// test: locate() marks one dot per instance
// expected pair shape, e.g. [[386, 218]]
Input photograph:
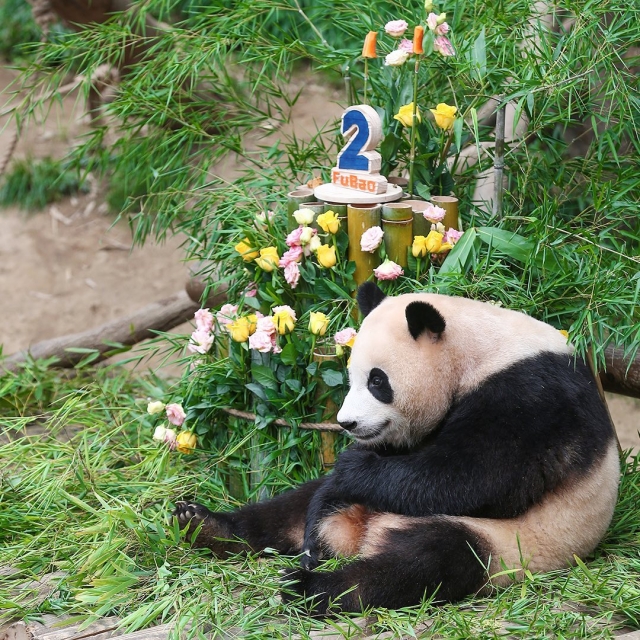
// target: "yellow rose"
[[239, 330], [252, 318], [326, 256], [268, 259], [419, 247], [444, 115], [186, 442], [318, 323], [444, 247], [329, 222], [405, 115], [284, 318], [247, 252], [433, 241]]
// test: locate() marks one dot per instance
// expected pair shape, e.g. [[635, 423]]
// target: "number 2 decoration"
[[362, 127]]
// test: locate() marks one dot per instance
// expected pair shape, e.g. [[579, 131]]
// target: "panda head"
[[401, 380]]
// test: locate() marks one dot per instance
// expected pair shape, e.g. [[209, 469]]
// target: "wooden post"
[[328, 439], [421, 226], [361, 217], [397, 224]]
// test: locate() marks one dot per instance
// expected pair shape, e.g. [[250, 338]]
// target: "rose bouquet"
[[414, 145]]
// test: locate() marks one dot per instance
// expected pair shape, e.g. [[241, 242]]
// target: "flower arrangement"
[[280, 346]]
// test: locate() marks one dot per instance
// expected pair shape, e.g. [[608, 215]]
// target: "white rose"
[[304, 216], [160, 433], [314, 243], [396, 58], [306, 235], [155, 407]]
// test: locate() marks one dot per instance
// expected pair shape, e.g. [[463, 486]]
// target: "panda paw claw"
[[190, 513], [309, 559]]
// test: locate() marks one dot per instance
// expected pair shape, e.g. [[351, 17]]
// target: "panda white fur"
[[480, 443]]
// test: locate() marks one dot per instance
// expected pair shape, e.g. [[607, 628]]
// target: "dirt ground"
[[69, 268]]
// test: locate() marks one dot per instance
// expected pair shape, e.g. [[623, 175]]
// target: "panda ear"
[[423, 317], [369, 297]]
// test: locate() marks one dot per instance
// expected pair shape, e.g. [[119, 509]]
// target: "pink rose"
[[293, 239], [433, 213], [227, 314], [204, 320], [345, 336], [443, 46], [170, 438], [176, 414], [406, 45], [388, 270], [261, 341], [200, 341], [293, 255], [442, 29], [292, 274], [265, 325], [251, 291], [371, 239], [432, 21], [396, 28], [452, 236]]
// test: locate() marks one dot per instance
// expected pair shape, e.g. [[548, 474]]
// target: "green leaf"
[[462, 256], [289, 354], [479, 56], [457, 132], [516, 246], [263, 375], [332, 378]]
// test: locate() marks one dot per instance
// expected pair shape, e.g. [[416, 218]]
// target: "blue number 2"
[[357, 154]]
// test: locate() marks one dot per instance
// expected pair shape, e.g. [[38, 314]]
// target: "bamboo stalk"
[[498, 164]]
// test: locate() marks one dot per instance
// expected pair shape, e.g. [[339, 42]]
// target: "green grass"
[[88, 493], [32, 184]]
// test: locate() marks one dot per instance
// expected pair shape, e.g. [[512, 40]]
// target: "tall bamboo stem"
[[498, 165], [414, 123]]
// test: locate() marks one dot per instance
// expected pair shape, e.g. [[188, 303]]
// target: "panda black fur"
[[480, 443]]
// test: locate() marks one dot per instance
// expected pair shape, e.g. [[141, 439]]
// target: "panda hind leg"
[[402, 560]]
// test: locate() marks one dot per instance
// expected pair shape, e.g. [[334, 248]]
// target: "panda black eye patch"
[[379, 387]]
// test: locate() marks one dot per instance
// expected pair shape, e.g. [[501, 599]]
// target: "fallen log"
[[622, 376], [163, 315]]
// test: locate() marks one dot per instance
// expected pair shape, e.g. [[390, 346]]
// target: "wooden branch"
[[128, 330], [617, 379], [317, 426]]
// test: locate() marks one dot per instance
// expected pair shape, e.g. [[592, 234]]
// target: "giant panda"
[[481, 448]]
